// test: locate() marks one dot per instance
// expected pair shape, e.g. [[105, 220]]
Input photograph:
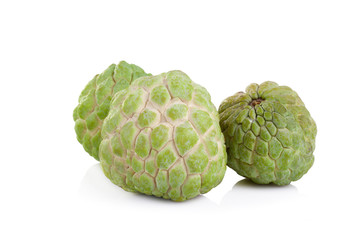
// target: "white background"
[[49, 50]]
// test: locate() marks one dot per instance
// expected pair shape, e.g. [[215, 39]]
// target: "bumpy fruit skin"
[[269, 134], [94, 103], [162, 137]]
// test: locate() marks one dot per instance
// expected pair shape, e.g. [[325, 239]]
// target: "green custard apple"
[[162, 137], [94, 103], [269, 134]]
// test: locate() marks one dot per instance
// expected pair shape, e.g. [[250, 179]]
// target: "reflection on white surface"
[[95, 187], [246, 193]]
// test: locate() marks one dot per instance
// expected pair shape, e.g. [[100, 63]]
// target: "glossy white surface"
[[51, 189]]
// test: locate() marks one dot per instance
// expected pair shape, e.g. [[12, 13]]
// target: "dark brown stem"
[[256, 102]]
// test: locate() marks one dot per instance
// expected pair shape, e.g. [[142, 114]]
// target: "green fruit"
[[94, 103], [162, 137], [269, 134]]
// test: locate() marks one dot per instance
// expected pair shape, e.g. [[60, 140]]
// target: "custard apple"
[[269, 134], [162, 137], [94, 102]]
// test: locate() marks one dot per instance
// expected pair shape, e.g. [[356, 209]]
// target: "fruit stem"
[[256, 102]]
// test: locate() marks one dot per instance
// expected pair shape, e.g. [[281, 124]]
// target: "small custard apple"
[[94, 102], [269, 134], [162, 137]]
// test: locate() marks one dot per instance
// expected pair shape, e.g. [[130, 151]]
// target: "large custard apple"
[[162, 137], [94, 102], [270, 135]]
